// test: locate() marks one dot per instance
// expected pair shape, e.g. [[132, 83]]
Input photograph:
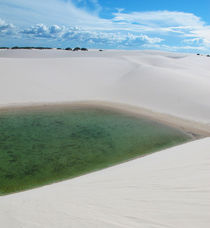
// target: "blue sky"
[[120, 24]]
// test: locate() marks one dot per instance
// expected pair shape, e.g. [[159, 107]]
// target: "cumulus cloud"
[[43, 31], [65, 20], [5, 27], [151, 40], [67, 33]]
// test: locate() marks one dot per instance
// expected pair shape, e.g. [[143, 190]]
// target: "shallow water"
[[38, 147]]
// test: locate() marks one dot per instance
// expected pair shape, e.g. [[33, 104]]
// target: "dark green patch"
[[41, 147]]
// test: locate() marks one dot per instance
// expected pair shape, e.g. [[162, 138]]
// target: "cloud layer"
[[5, 28], [65, 22], [77, 34], [186, 26]]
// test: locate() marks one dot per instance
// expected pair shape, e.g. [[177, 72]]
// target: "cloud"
[[159, 18], [81, 35], [75, 20], [43, 31], [192, 41], [7, 30], [5, 27], [61, 12], [151, 40], [178, 24], [201, 34]]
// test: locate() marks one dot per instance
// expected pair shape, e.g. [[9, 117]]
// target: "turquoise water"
[[38, 147]]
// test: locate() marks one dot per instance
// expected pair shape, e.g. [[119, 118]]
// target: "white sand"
[[170, 188], [175, 84]]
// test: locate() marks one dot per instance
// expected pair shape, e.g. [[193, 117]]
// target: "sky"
[[181, 25]]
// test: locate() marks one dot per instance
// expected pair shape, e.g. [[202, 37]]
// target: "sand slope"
[[170, 188], [171, 83], [166, 189]]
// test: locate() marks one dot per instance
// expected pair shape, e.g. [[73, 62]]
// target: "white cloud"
[[43, 31], [61, 12], [79, 34], [54, 19], [192, 41], [6, 29], [5, 26], [179, 24], [201, 33], [157, 18], [151, 40]]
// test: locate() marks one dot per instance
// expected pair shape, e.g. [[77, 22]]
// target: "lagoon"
[[41, 146]]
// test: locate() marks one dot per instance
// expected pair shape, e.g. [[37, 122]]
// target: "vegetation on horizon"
[[43, 48], [40, 48]]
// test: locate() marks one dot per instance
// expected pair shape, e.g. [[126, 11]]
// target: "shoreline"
[[195, 129], [138, 133]]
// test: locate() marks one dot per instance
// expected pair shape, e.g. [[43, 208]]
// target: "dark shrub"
[[76, 49], [25, 47], [42, 48], [68, 49], [15, 47], [84, 49]]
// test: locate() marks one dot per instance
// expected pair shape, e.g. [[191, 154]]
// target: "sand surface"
[[170, 188], [166, 189], [171, 83]]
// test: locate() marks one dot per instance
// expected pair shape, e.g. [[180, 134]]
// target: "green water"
[[44, 146]]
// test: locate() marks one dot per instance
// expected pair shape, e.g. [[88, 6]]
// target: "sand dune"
[[170, 188], [175, 84], [166, 189]]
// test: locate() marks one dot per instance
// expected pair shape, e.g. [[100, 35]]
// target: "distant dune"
[[176, 84], [170, 188]]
